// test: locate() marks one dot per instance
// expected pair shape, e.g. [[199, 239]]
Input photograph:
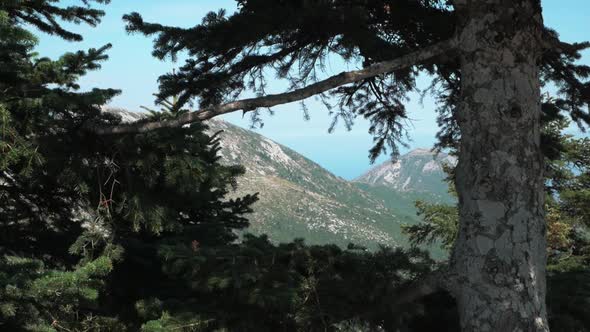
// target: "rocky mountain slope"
[[300, 199], [417, 174]]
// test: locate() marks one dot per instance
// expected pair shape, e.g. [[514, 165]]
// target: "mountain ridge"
[[420, 170], [301, 199]]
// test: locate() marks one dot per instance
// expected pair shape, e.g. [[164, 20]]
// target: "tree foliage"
[[136, 233], [230, 54], [71, 200]]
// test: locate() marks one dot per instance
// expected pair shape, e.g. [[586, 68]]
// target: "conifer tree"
[[43, 287], [133, 232], [489, 60], [182, 270], [97, 211], [78, 210]]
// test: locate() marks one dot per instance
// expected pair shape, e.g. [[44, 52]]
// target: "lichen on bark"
[[499, 256]]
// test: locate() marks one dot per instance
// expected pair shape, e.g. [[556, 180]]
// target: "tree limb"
[[250, 104], [551, 41], [437, 280]]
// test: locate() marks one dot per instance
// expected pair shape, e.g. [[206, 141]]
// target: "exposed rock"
[[420, 170], [300, 199]]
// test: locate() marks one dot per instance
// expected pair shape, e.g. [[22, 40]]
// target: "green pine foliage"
[[568, 200], [439, 223], [135, 233], [42, 286], [73, 204], [294, 40], [258, 286], [37, 298], [129, 233]]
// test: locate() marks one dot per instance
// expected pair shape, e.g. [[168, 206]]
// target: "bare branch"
[[283, 98]]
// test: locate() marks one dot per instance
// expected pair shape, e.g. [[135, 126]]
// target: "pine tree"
[[133, 232], [98, 213], [489, 61], [78, 210], [42, 285], [255, 285]]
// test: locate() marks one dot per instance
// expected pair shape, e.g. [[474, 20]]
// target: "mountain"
[[417, 174], [300, 199]]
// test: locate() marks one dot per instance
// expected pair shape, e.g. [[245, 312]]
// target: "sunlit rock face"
[[420, 170]]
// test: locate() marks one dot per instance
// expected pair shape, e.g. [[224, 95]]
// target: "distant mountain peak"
[[420, 170], [126, 116], [420, 152]]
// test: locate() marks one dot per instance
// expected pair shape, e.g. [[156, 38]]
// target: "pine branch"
[[438, 280], [250, 104]]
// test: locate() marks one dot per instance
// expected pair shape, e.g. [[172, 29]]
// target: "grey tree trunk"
[[500, 254]]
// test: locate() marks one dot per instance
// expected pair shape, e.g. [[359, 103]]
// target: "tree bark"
[[500, 253]]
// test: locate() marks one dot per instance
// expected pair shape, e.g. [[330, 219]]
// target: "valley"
[[300, 199]]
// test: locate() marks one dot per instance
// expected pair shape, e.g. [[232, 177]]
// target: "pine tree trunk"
[[500, 253]]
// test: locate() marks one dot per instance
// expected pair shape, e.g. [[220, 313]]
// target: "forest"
[[108, 225]]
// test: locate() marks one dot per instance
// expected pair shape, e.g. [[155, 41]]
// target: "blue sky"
[[132, 69]]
